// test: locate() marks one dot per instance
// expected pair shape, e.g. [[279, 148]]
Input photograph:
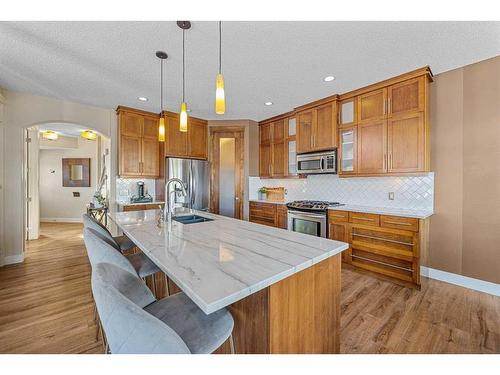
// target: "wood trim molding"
[[121, 108], [278, 117]]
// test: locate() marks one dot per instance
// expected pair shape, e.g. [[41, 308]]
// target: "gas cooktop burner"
[[311, 205]]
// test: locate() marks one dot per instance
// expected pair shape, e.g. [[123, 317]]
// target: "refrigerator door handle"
[[191, 185]]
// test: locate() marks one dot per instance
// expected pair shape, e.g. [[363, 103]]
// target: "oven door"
[[308, 223]]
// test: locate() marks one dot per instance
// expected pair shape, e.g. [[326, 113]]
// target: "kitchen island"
[[282, 287]]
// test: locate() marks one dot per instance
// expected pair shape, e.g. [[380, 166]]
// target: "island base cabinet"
[[300, 314]]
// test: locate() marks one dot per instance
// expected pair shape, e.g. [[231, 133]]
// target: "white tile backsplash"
[[416, 192], [127, 187]]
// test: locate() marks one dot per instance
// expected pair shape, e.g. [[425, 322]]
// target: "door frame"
[[215, 133]]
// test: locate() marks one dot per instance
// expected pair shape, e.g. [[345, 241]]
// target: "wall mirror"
[[76, 172]]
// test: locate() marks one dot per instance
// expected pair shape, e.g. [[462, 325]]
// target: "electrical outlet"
[[391, 195]]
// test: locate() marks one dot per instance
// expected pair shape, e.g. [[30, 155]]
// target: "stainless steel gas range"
[[309, 217]]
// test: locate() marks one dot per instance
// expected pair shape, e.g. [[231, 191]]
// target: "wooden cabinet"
[[390, 130], [407, 96], [317, 128], [347, 112], [190, 144], [290, 147], [372, 105], [406, 143], [388, 245], [138, 147], [272, 148], [372, 147], [272, 214], [141, 207]]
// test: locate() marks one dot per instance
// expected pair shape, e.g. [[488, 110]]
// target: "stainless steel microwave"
[[318, 162]]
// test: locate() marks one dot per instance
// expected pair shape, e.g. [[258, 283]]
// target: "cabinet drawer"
[[338, 216], [398, 222], [385, 265], [263, 213], [363, 218], [397, 244], [136, 207]]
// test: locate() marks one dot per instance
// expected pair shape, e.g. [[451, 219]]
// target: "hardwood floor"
[[46, 304], [46, 307]]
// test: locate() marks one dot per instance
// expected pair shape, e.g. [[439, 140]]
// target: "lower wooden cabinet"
[[272, 214], [141, 207], [388, 245]]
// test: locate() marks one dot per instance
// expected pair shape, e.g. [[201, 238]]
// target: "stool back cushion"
[[90, 222], [129, 329], [100, 250]]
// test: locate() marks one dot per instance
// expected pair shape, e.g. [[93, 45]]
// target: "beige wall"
[[56, 201], [23, 110], [251, 152], [465, 136]]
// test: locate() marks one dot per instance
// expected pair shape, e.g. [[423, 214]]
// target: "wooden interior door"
[[372, 105], [150, 148], [214, 159], [197, 139], [304, 131], [130, 156], [407, 96], [406, 143], [278, 149], [372, 147], [325, 129], [175, 140]]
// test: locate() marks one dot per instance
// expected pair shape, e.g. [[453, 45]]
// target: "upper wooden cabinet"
[[372, 105], [317, 128], [372, 147], [137, 143], [274, 148], [407, 96], [190, 144], [347, 112]]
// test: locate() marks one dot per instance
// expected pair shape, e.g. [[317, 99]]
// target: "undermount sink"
[[191, 219]]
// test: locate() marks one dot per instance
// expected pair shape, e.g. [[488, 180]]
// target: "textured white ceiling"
[[112, 63]]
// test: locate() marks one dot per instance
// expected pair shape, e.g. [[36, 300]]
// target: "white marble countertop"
[[404, 212], [419, 214], [122, 203], [219, 262]]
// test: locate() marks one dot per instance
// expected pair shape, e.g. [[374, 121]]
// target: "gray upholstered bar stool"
[[136, 323], [101, 249], [122, 243]]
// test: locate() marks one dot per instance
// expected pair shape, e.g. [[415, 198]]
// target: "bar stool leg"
[[153, 280], [167, 287], [231, 344]]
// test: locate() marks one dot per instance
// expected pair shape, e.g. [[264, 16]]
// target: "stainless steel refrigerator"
[[195, 174]]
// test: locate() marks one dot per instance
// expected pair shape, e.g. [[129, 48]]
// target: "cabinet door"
[[406, 143], [278, 159], [265, 136], [290, 147], [130, 156], [130, 124], [281, 217], [150, 128], [304, 131], [175, 140], [197, 139], [150, 149], [347, 112], [278, 129], [348, 150], [340, 232], [265, 160], [325, 127], [372, 147], [372, 105], [407, 96]]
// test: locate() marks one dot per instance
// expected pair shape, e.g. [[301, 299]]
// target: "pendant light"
[[161, 127], [183, 116], [220, 101]]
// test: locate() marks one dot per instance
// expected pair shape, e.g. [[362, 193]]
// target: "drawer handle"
[[362, 218], [383, 263], [397, 223], [342, 217], [383, 239]]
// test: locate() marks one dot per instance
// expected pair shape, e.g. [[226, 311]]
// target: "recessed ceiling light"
[[142, 98], [329, 78], [268, 103]]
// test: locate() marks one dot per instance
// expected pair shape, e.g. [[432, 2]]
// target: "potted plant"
[[263, 193]]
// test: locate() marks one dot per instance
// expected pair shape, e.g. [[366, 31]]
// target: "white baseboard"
[[61, 220], [12, 259], [464, 281]]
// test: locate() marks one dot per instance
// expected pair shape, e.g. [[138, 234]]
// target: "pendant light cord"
[[220, 47], [161, 86], [183, 65]]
